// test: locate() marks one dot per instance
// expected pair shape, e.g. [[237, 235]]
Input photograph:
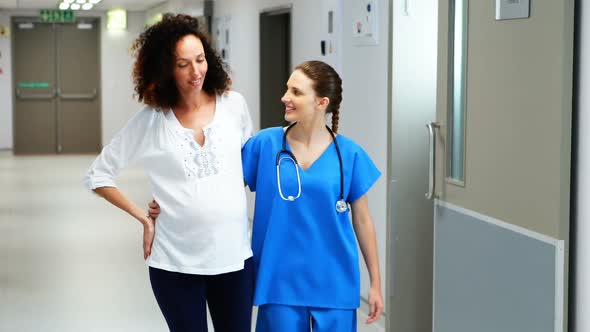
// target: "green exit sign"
[[57, 16]]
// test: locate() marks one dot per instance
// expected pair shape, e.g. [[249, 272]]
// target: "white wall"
[[117, 101], [364, 109], [582, 263], [245, 55], [5, 87], [364, 114]]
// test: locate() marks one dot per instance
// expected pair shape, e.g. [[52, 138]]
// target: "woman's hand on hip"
[[153, 209], [375, 305]]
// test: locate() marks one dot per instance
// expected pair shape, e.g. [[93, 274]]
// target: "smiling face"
[[300, 99], [190, 66]]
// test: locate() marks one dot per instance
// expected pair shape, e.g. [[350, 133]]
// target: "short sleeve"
[[125, 147], [363, 177], [246, 122], [250, 159]]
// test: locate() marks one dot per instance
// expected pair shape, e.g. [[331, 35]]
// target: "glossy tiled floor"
[[68, 260]]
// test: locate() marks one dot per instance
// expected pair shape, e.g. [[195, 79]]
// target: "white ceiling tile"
[[7, 3]]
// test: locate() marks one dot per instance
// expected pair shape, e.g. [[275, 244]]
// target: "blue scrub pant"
[[182, 299], [284, 318]]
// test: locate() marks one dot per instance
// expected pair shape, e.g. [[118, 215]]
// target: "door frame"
[[267, 12], [34, 19]]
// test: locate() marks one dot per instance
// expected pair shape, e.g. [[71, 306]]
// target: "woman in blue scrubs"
[[305, 251]]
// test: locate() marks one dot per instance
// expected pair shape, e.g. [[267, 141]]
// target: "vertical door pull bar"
[[432, 162]]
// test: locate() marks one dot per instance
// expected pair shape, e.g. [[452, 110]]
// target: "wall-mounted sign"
[[57, 16], [365, 26], [331, 43], [222, 37], [33, 85]]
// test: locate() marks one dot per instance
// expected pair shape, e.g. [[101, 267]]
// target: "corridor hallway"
[[70, 262]]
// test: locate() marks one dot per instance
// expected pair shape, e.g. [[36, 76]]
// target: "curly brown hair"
[[155, 57]]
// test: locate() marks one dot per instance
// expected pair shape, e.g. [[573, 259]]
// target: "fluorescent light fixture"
[[64, 6], [117, 19], [68, 1], [85, 26], [94, 2], [75, 6], [87, 6], [80, 1]]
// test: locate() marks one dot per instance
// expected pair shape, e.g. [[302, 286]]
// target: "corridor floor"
[[68, 260]]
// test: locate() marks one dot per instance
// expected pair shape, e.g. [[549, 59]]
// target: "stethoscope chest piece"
[[341, 206]]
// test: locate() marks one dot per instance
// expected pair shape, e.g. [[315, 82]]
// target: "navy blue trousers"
[[182, 299]]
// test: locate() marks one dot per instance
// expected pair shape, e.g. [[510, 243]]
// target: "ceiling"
[[132, 5]]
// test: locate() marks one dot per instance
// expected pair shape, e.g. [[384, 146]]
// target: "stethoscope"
[[341, 205]]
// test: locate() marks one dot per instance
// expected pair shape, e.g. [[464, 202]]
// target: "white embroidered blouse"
[[203, 225]]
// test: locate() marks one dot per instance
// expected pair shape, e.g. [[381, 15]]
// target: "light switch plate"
[[512, 9], [365, 27]]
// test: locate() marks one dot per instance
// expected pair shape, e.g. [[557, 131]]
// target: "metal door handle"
[[78, 96], [432, 163], [37, 96]]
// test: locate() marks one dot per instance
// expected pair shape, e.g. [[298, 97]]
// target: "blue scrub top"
[[305, 252]]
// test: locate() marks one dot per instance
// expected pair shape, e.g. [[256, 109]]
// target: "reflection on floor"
[[68, 260]]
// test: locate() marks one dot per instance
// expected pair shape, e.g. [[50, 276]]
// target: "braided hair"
[[326, 83]]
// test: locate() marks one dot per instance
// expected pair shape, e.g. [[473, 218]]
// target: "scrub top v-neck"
[[305, 252]]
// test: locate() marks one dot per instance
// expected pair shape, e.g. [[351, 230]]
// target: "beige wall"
[[518, 117]]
